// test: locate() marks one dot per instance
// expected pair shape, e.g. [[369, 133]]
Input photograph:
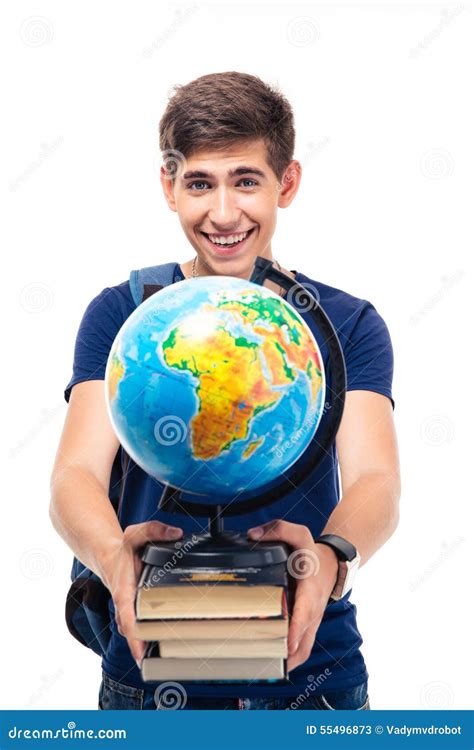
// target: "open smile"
[[228, 244]]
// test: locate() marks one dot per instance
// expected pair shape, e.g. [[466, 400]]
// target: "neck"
[[187, 269], [197, 267]]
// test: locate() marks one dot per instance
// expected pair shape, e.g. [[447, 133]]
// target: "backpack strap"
[[146, 281]]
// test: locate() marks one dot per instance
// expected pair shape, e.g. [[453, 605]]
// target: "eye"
[[196, 186], [197, 182]]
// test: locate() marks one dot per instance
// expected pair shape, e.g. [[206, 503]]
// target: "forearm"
[[83, 516], [367, 514]]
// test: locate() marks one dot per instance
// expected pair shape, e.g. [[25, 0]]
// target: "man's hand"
[[315, 568], [125, 568]]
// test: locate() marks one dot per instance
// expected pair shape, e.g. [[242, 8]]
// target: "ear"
[[168, 188], [290, 183]]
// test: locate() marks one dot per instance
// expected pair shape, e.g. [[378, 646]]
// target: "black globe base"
[[215, 549], [225, 550]]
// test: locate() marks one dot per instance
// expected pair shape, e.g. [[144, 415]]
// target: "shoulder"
[[100, 323], [110, 307], [102, 319], [346, 311], [363, 335]]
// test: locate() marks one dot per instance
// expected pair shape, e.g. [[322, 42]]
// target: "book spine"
[[273, 575]]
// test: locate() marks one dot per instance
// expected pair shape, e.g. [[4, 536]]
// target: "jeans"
[[172, 696]]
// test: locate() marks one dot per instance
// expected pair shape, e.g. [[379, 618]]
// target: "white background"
[[380, 93]]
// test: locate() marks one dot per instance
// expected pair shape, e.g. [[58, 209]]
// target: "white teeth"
[[228, 240]]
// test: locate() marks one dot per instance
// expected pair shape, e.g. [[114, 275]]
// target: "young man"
[[228, 141]]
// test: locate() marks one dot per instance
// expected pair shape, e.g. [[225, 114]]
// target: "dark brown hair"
[[222, 109]]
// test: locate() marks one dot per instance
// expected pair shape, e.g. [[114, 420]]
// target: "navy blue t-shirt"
[[368, 353]]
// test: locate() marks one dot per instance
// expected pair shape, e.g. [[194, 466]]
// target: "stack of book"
[[213, 625]]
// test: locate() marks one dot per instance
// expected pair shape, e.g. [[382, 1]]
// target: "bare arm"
[[82, 513], [80, 508], [366, 515]]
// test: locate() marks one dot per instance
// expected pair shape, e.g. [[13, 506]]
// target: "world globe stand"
[[215, 549], [219, 548]]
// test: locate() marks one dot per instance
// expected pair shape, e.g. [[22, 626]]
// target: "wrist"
[[107, 562], [328, 565], [348, 562]]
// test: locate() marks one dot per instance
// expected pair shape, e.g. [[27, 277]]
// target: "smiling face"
[[227, 203]]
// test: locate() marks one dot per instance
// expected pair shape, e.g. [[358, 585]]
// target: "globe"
[[215, 385]]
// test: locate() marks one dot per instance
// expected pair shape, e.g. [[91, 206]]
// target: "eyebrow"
[[231, 173]]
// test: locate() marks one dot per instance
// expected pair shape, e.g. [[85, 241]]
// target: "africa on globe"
[[215, 385]]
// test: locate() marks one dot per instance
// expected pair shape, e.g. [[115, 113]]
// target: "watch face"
[[351, 574], [345, 578]]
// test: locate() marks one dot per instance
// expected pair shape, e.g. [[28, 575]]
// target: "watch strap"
[[345, 551]]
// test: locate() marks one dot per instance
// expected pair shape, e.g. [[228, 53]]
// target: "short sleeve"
[[98, 328], [369, 355]]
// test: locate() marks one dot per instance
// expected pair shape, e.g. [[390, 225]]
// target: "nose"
[[224, 212]]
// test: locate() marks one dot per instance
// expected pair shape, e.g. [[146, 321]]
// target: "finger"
[[137, 647], [117, 620], [306, 638], [304, 617], [125, 614], [123, 604], [294, 534], [304, 651], [137, 535]]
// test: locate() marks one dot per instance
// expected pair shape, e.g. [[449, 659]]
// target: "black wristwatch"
[[349, 560]]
